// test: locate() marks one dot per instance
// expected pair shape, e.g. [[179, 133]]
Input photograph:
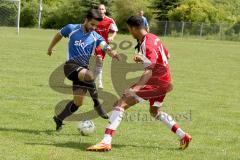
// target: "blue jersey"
[[145, 21], [81, 45]]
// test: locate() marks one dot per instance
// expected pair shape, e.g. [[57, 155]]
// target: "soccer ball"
[[86, 127]]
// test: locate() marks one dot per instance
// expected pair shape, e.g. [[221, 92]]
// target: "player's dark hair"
[[93, 14], [135, 21], [101, 4]]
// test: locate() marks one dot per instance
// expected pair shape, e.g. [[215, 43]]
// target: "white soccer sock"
[[98, 67], [107, 139], [100, 76], [97, 70], [114, 121], [168, 120], [180, 133]]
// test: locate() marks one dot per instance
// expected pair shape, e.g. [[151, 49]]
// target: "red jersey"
[[105, 26], [155, 57]]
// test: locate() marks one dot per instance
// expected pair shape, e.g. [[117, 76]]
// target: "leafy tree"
[[8, 13], [50, 2], [230, 8], [29, 14], [195, 11], [64, 12], [234, 30], [161, 8], [122, 9], [95, 3]]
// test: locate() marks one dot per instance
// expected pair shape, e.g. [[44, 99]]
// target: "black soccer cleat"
[[58, 123], [101, 112]]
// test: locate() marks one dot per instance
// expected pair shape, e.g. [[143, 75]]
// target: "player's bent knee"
[[126, 102], [129, 99], [85, 75], [89, 76], [153, 111], [127, 96]]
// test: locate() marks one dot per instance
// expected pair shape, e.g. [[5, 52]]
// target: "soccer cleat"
[[184, 142], [58, 123], [100, 147], [101, 112]]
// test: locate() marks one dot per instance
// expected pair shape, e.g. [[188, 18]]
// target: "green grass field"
[[206, 77]]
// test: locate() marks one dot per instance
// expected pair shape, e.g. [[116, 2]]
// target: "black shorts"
[[71, 70]]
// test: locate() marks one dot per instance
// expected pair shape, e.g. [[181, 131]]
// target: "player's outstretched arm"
[[113, 54], [107, 49], [54, 41]]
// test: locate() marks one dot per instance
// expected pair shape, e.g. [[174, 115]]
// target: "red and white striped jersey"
[[155, 57], [105, 26]]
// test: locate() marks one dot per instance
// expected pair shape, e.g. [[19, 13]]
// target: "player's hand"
[[116, 56], [138, 58], [110, 39], [168, 56], [50, 51]]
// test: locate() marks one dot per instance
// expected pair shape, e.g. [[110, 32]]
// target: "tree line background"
[[57, 13]]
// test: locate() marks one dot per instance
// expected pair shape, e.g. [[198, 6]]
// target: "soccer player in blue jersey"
[[146, 25], [82, 42]]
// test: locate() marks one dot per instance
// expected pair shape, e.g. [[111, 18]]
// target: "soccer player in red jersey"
[[103, 28], [153, 86]]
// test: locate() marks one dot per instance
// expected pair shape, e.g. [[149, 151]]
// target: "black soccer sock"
[[91, 87], [93, 93], [68, 110]]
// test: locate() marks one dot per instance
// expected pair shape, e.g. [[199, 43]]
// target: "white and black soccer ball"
[[86, 127]]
